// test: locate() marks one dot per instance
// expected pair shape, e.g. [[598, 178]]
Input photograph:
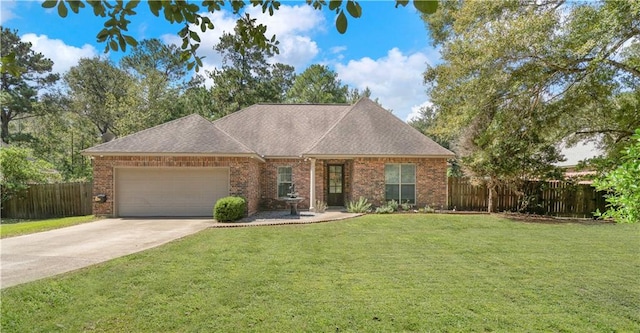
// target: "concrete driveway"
[[36, 256]]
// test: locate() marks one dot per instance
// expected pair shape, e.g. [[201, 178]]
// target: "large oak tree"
[[519, 77]]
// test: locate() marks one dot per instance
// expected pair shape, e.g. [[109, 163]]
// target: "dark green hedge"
[[229, 209]]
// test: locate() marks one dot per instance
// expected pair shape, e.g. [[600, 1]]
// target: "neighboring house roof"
[[188, 135], [285, 130], [581, 151]]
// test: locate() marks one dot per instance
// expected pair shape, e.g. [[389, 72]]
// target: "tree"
[[246, 78], [161, 77], [151, 56], [622, 184], [102, 93], [318, 84], [196, 98], [538, 72], [118, 13], [19, 93], [19, 169]]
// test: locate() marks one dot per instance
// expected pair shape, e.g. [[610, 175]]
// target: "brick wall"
[[269, 182], [257, 181], [244, 175], [431, 180]]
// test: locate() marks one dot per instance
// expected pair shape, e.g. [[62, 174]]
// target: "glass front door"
[[335, 185]]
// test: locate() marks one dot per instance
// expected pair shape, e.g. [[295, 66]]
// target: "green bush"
[[622, 185], [360, 206], [229, 209], [388, 208]]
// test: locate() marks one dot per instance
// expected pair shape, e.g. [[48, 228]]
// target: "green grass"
[[10, 228], [377, 273]]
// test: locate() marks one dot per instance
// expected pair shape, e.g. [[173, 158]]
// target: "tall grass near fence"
[[50, 200]]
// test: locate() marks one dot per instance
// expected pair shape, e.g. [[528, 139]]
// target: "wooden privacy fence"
[[50, 200], [540, 197]]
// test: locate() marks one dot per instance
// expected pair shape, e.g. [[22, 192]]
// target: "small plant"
[[321, 206], [388, 208], [229, 209], [406, 206], [360, 206], [428, 209]]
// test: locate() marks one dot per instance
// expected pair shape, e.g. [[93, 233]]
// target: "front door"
[[335, 181]]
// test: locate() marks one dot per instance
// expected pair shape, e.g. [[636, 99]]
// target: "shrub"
[[622, 184], [18, 169], [406, 206], [229, 209], [388, 208], [360, 206]]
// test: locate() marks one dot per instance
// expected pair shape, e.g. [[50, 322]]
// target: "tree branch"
[[633, 71], [602, 131]]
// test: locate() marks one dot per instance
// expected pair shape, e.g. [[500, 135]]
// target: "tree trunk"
[[491, 186], [490, 200], [4, 131]]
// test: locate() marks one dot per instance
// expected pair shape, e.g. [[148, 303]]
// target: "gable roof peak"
[[189, 134]]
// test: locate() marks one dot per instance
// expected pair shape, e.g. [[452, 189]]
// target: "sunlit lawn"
[[377, 273], [10, 228]]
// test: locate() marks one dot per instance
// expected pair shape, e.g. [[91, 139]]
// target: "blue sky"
[[387, 49]]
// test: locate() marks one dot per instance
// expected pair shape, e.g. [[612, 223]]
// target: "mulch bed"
[[533, 218]]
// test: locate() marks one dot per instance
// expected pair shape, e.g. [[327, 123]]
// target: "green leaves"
[[178, 11], [423, 6], [341, 23], [62, 9], [426, 6], [49, 3], [622, 184], [354, 9]]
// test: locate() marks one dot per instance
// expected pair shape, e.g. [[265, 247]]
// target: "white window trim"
[[400, 183], [278, 181]]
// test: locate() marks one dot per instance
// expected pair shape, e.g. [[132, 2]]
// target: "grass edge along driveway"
[[373, 273], [24, 227]]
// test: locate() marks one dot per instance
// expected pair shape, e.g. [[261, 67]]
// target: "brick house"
[[331, 152]]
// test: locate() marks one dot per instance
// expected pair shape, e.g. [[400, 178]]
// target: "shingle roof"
[[284, 130], [191, 134], [281, 129], [368, 129]]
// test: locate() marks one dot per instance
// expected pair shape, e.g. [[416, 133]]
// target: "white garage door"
[[169, 191]]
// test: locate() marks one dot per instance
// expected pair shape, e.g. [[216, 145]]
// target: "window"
[[284, 181], [400, 182]]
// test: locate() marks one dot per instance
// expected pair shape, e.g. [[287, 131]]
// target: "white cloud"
[[63, 56], [415, 111], [290, 20], [338, 49], [223, 22], [292, 26], [6, 11], [296, 51], [395, 79]]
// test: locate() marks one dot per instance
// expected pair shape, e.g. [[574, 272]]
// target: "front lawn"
[[10, 228], [377, 273]]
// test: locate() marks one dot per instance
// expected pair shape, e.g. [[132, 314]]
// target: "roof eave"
[[350, 156], [116, 153]]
